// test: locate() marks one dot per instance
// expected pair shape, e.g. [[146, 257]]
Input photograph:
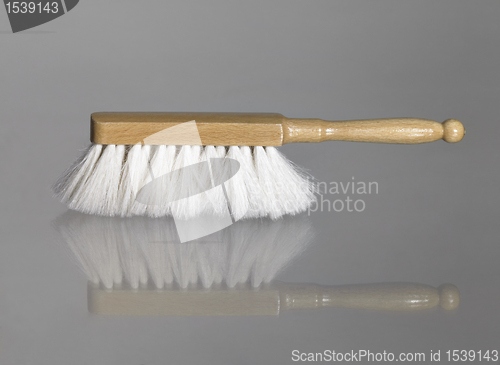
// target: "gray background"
[[434, 220]]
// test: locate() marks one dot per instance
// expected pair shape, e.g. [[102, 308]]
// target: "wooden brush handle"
[[383, 296], [261, 129], [396, 130]]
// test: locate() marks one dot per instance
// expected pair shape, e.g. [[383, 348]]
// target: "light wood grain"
[[269, 300], [262, 129], [217, 129], [395, 130]]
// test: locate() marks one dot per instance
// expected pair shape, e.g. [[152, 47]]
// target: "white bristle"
[[152, 181], [135, 175], [140, 251], [292, 189], [73, 179], [256, 195], [185, 185], [138, 207], [162, 164], [215, 199], [237, 193], [268, 183], [100, 195]]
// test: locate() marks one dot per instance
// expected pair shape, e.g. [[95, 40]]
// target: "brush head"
[[185, 182]]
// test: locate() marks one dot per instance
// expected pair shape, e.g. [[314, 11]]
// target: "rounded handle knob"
[[453, 130]]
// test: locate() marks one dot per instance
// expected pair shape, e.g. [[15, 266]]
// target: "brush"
[[136, 164]]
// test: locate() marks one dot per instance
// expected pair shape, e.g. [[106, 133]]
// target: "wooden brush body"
[[261, 129]]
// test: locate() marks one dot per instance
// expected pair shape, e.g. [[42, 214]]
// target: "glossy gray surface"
[[434, 219]]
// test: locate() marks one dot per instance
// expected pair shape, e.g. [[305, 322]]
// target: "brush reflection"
[[269, 299], [137, 266], [141, 251]]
